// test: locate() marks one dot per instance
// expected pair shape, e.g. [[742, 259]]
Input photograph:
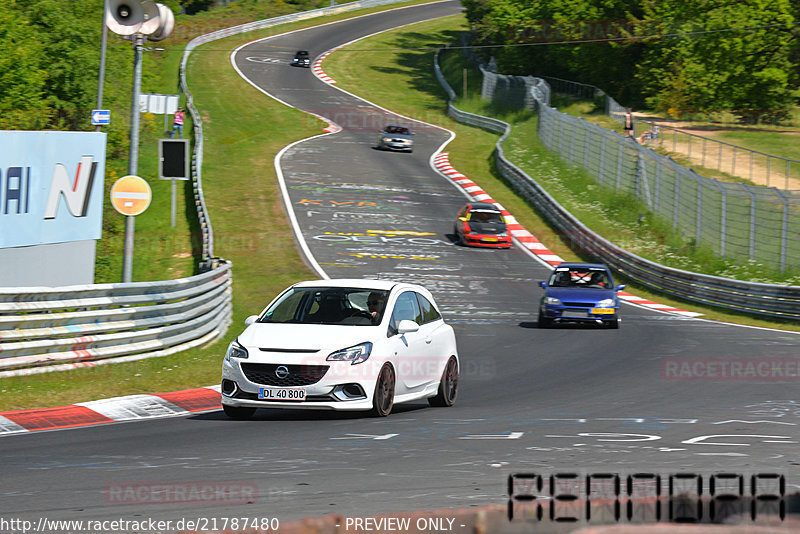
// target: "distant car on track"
[[481, 224], [580, 292], [342, 345], [396, 137], [301, 59]]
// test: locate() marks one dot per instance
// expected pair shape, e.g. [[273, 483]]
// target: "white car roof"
[[365, 283], [349, 282]]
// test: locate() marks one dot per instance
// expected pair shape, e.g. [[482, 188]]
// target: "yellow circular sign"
[[130, 195]]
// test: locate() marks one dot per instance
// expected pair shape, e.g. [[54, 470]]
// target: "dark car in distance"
[[481, 224], [301, 59], [581, 293]]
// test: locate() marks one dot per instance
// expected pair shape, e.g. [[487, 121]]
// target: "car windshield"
[[579, 277], [301, 54], [402, 130], [328, 305], [485, 216]]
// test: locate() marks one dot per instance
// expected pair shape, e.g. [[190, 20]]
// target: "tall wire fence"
[[736, 220], [702, 151]]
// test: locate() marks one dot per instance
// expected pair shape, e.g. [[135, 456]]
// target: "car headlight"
[[605, 303], [235, 350], [354, 355], [552, 301], [387, 139], [503, 234]]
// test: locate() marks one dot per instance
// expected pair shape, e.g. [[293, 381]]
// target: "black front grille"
[[579, 304], [299, 375]]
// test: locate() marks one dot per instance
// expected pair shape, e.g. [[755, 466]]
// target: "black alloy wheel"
[[383, 399], [448, 387]]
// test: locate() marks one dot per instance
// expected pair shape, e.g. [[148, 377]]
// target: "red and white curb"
[[118, 409], [442, 164], [317, 68], [319, 73], [641, 301]]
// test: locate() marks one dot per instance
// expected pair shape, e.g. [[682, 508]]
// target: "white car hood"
[[297, 337]]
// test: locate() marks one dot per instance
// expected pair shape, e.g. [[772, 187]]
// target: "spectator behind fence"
[[628, 122]]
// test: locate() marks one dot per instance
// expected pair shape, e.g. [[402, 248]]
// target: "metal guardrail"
[[752, 298], [42, 326]]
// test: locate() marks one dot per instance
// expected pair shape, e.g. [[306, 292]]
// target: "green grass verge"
[[785, 144], [240, 184]]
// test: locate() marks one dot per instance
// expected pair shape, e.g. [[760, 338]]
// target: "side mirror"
[[620, 287], [250, 320], [543, 284], [407, 326]]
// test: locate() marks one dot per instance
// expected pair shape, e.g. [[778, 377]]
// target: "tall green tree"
[[572, 39], [70, 33], [713, 64], [22, 73]]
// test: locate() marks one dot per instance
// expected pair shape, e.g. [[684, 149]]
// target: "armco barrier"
[[102, 322], [770, 300]]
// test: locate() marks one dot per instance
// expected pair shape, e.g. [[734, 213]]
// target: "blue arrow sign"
[[101, 116]]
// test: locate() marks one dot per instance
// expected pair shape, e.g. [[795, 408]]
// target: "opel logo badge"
[[282, 372]]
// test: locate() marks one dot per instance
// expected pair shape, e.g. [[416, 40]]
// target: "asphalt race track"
[[562, 400]]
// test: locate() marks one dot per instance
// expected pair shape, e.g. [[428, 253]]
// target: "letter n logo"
[[76, 192]]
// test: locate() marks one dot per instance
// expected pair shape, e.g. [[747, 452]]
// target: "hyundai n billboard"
[[51, 187]]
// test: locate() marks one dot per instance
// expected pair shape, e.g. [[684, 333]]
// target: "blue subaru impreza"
[[580, 292]]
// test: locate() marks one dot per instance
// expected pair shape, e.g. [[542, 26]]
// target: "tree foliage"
[[49, 63], [705, 62]]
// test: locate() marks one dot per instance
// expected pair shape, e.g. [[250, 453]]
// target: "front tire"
[[448, 386], [383, 398], [543, 321], [240, 413], [459, 241]]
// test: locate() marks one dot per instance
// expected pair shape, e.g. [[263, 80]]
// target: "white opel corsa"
[[342, 345]]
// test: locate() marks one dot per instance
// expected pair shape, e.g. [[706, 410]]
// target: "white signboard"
[[158, 104]]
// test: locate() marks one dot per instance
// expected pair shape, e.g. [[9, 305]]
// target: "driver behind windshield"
[[376, 302]]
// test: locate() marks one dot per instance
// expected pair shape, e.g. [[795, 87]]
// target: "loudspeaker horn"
[[124, 17], [167, 18], [151, 17]]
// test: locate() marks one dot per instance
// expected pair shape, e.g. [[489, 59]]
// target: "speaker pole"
[[102, 74], [133, 158]]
